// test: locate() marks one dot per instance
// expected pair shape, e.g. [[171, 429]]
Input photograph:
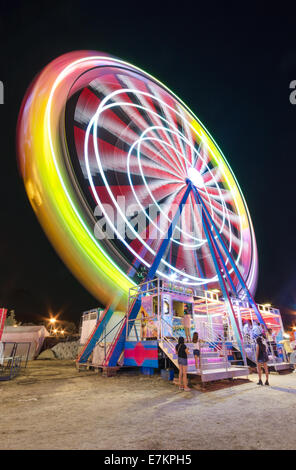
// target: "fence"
[[11, 359]]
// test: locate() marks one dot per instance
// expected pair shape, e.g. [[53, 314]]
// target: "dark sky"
[[233, 69]]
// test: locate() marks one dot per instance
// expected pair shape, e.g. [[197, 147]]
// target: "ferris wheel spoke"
[[162, 222], [178, 142], [228, 236], [186, 228], [203, 159], [172, 127], [190, 140], [219, 194], [159, 193], [216, 204], [223, 212], [169, 206], [212, 176], [163, 160], [122, 135], [196, 220], [185, 258], [86, 107], [113, 157], [131, 108], [154, 120]]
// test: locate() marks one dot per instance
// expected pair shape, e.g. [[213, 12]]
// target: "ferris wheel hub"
[[195, 177]]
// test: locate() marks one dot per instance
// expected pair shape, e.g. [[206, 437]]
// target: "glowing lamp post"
[[52, 322]]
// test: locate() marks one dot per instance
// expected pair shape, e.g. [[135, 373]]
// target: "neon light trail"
[[94, 130]]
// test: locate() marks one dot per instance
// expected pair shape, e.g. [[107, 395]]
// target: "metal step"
[[211, 374], [221, 365], [212, 360], [280, 365], [219, 374]]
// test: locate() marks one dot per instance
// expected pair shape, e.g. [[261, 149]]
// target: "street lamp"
[[52, 322]]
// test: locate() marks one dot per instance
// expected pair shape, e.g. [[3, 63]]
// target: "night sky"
[[232, 69]]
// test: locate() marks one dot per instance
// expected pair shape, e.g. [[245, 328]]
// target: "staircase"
[[213, 364], [275, 363]]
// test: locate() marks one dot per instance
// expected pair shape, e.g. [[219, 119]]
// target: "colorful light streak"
[[59, 204]]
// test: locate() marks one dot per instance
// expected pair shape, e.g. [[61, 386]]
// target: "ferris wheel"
[[107, 152]]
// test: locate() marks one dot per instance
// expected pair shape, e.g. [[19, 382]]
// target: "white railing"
[[211, 337], [250, 345]]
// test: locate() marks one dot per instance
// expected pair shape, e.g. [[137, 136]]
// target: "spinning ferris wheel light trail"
[[94, 129]]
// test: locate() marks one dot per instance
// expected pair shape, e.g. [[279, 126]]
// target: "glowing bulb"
[[195, 177]]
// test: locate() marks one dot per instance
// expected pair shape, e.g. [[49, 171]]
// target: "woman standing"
[[261, 358], [182, 352]]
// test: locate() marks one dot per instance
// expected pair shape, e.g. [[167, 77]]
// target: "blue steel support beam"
[[232, 262], [121, 337], [166, 240], [120, 341], [210, 239], [197, 196]]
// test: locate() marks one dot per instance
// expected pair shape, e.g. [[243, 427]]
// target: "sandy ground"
[[52, 406]]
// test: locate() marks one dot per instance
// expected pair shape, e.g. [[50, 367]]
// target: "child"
[[196, 349]]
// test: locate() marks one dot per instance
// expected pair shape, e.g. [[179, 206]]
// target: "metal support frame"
[[211, 231], [217, 258], [119, 344], [96, 334], [229, 256], [166, 240]]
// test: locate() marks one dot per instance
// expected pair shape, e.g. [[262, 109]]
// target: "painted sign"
[[3, 312], [141, 354]]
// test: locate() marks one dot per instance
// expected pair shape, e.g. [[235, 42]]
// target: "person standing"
[[144, 325], [225, 328], [256, 330], [247, 332], [287, 347], [196, 349], [261, 359], [182, 352], [187, 326], [269, 338], [293, 356]]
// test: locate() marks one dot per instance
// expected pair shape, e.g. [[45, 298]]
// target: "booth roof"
[[25, 329]]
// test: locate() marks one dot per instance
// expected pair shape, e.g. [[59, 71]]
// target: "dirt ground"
[[53, 406]]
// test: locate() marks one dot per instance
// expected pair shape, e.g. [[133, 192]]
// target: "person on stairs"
[[182, 352]]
